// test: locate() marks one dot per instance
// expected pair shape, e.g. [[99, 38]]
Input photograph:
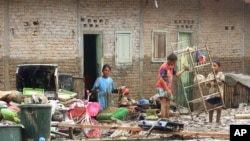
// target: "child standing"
[[220, 78], [104, 86], [164, 83]]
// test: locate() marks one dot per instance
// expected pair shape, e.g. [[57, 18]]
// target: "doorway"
[[92, 51], [185, 40]]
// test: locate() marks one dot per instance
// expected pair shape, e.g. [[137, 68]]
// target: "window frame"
[[130, 45], [153, 59]]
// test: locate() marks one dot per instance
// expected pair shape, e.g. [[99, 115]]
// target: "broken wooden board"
[[224, 135], [242, 116], [113, 127]]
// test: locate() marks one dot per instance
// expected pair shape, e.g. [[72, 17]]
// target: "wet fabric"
[[215, 100], [163, 93], [167, 72], [213, 89], [105, 87]]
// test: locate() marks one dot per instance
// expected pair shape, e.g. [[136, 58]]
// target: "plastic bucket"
[[36, 120], [11, 132]]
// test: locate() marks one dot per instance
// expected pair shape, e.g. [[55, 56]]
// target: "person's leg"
[[218, 115], [167, 108], [163, 107], [211, 115]]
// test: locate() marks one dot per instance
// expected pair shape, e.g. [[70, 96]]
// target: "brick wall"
[[43, 32], [166, 18], [247, 39], [1, 45], [110, 16], [46, 32], [221, 31], [217, 24]]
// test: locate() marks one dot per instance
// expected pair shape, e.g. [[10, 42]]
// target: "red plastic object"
[[92, 132], [125, 91], [76, 111], [202, 59]]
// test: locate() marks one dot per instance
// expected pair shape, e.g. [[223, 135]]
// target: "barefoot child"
[[213, 89], [164, 83]]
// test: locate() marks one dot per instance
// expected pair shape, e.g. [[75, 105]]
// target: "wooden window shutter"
[[159, 45], [123, 48]]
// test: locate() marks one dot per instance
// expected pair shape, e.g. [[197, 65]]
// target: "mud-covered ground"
[[199, 124]]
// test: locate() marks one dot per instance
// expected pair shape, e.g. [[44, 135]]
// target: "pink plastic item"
[[93, 108]]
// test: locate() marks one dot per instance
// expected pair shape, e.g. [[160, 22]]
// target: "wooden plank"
[[242, 116], [162, 45], [222, 135], [156, 47], [59, 133], [115, 127]]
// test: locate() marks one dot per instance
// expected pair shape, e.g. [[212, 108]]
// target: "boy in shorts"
[[164, 83], [220, 78]]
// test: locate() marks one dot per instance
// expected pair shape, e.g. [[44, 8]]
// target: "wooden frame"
[[154, 59]]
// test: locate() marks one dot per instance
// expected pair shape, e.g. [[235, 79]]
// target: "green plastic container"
[[36, 120], [30, 91], [120, 113], [11, 133]]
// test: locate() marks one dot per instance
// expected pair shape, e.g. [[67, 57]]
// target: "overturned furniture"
[[236, 89]]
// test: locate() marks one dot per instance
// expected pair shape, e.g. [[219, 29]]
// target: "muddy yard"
[[197, 129]]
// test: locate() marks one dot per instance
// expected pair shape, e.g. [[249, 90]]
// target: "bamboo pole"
[[242, 116]]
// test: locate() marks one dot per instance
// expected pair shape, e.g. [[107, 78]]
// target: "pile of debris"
[[8, 109]]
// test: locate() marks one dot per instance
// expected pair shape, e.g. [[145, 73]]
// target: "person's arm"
[[96, 86], [163, 73], [208, 83], [185, 68], [221, 78], [180, 72], [165, 85], [113, 88]]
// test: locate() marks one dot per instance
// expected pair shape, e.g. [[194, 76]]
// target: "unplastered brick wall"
[[109, 16], [215, 23], [46, 32], [172, 16], [221, 31], [43, 32], [247, 39], [1, 45]]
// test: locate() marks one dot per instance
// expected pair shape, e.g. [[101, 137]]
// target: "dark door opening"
[[92, 60]]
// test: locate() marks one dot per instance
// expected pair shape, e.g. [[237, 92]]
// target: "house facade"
[[133, 36]]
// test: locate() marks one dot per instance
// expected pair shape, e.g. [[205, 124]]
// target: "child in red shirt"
[[164, 83]]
